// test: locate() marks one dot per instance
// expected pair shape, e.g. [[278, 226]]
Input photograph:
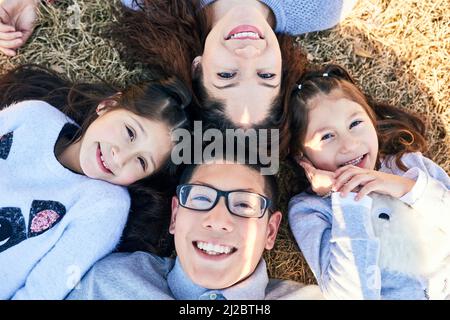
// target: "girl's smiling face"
[[120, 147], [339, 132]]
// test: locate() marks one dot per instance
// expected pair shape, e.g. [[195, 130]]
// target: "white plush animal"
[[410, 241]]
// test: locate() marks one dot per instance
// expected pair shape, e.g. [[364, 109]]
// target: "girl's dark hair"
[[398, 131], [169, 34], [163, 100]]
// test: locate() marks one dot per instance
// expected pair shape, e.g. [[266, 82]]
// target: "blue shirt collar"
[[252, 288]]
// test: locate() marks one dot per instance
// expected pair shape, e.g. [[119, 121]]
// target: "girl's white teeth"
[[103, 161], [354, 162], [245, 35], [213, 249]]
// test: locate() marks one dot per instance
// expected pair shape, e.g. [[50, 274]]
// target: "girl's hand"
[[321, 180], [351, 178]]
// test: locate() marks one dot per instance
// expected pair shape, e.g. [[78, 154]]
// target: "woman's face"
[[241, 64]]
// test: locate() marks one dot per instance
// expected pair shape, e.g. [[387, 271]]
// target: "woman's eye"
[[143, 164], [130, 133], [355, 123], [226, 75], [266, 75], [327, 136]]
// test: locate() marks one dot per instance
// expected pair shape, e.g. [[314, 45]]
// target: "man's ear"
[[272, 229], [173, 217], [196, 64]]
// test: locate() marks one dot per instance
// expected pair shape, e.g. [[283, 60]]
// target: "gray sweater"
[[380, 247], [144, 276], [54, 223], [300, 16]]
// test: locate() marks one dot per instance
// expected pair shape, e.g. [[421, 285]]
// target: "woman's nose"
[[248, 52]]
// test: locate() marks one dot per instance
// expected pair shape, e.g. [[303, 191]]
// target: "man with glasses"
[[223, 217]]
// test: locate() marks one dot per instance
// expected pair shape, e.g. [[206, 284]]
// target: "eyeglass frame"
[[220, 194]]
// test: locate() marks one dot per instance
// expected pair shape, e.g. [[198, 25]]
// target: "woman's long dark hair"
[[162, 100], [169, 34], [164, 34], [398, 131]]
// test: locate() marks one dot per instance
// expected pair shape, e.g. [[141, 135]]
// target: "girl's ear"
[[107, 104], [195, 64], [101, 108]]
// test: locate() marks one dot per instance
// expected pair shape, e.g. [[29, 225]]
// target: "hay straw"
[[398, 50]]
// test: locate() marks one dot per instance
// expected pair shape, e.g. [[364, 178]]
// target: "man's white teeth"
[[103, 161], [213, 249], [354, 162], [247, 34]]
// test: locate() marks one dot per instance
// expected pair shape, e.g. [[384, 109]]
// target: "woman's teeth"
[[248, 34], [213, 249]]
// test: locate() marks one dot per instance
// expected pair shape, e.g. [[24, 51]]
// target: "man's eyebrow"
[[210, 185]]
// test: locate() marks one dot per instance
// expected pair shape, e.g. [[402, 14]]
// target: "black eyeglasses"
[[241, 203]]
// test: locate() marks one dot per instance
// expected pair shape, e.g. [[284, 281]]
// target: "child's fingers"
[[309, 170], [368, 188], [6, 28], [305, 165], [10, 35], [339, 171], [8, 52], [358, 180], [344, 177], [11, 44], [305, 160]]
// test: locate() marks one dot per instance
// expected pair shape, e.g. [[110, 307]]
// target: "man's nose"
[[218, 218]]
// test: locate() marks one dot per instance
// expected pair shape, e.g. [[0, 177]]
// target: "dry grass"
[[398, 50]]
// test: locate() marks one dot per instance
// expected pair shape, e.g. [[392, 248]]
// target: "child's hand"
[[16, 23], [351, 178], [321, 180]]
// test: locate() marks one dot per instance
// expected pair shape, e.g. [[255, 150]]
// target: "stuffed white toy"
[[410, 241]]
